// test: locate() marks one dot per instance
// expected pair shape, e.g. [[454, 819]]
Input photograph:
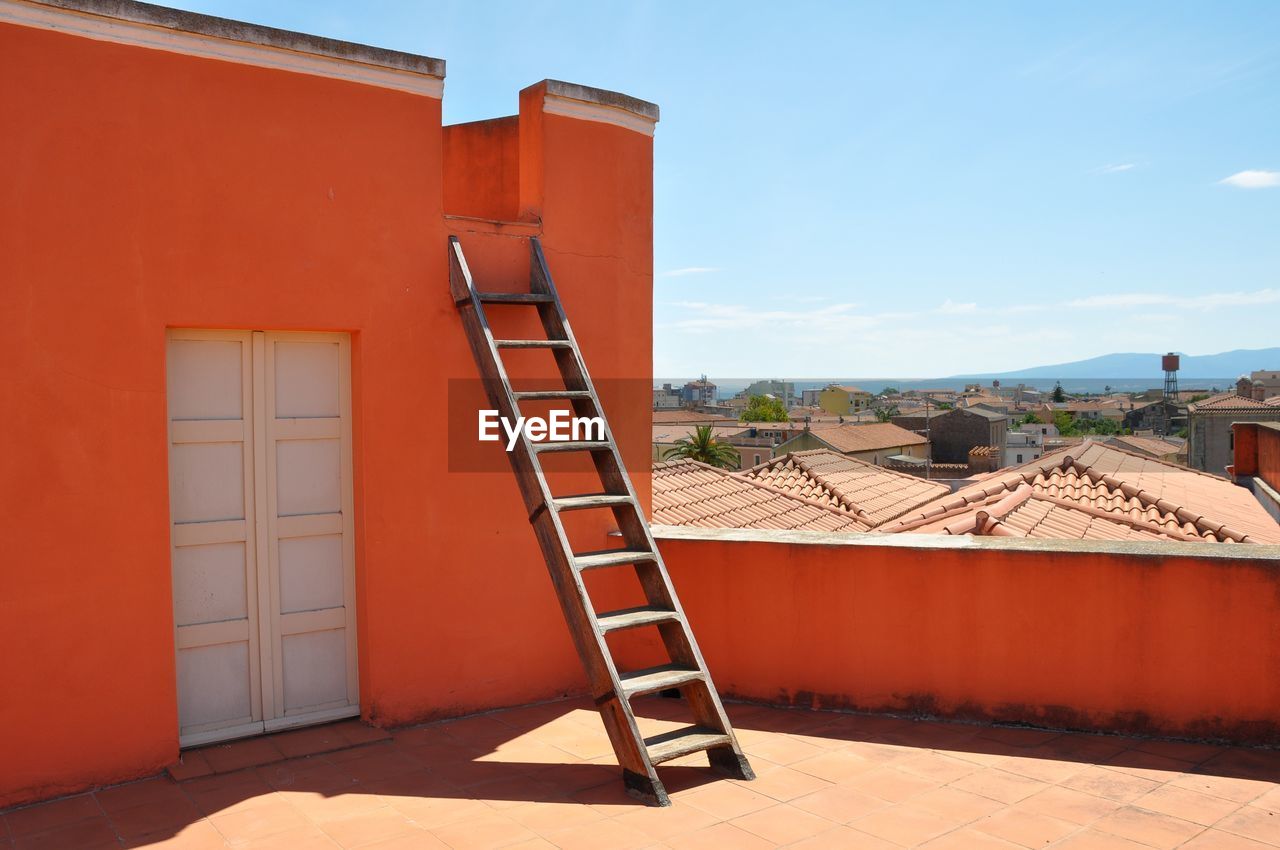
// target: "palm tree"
[[705, 448]]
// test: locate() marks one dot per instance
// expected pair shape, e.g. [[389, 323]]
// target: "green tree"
[[884, 414], [889, 391], [762, 408], [705, 448], [1031, 419], [1058, 395], [1065, 423]]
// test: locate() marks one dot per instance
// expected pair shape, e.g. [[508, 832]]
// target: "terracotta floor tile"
[[307, 774], [1183, 750], [889, 783], [1008, 788], [1016, 737], [517, 790], [783, 784], [781, 749], [1111, 784], [309, 742], [839, 804], [903, 824], [155, 816], [605, 832], [298, 838], [1226, 787], [957, 806], [838, 766], [250, 752], [320, 808], [726, 800], [1263, 765], [1024, 828], [481, 731], [610, 799], [1214, 839], [227, 792], [1070, 805], [90, 834], [1186, 804], [1269, 801], [1150, 828], [357, 732], [434, 812], [1157, 768], [1042, 768], [575, 777], [967, 838], [380, 763], [937, 766], [782, 824], [662, 824], [549, 817], [1093, 839], [375, 825], [1253, 822], [190, 765], [420, 840], [258, 822], [159, 790], [200, 835], [483, 832], [843, 838], [722, 836], [43, 816]]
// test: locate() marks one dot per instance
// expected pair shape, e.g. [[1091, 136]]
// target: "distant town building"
[[874, 442], [954, 432], [809, 398], [840, 400], [1209, 428], [1023, 446], [666, 397], [1162, 418], [782, 390], [1264, 385], [699, 392]]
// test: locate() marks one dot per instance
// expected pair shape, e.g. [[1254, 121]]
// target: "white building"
[[1024, 445]]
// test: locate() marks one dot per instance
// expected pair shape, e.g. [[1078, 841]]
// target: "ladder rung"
[[681, 742], [657, 679], [630, 618], [573, 446], [552, 394], [514, 298], [612, 558], [596, 500], [532, 343]]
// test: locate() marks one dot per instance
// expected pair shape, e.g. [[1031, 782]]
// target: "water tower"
[[1170, 364]]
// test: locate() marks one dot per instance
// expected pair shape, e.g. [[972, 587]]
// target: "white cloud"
[[700, 317], [1203, 302], [1115, 168], [1254, 179], [953, 308], [688, 270]]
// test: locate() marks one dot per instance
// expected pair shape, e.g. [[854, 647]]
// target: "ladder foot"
[[726, 762], [649, 791]]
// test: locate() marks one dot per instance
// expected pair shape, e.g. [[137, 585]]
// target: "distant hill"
[[1228, 364]]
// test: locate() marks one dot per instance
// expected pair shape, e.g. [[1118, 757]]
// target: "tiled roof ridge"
[[851, 507], [1220, 531], [1118, 517], [1217, 402], [861, 516]]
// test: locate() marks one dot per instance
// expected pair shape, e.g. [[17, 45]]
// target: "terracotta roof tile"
[[1105, 483], [874, 493], [1226, 402], [1153, 446], [686, 492], [868, 437]]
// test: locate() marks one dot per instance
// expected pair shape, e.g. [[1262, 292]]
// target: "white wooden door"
[[261, 506]]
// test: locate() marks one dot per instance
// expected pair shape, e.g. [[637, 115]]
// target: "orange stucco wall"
[[1268, 456], [150, 189], [482, 169], [1158, 644]]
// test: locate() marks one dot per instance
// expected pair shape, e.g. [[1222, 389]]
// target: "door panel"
[[211, 499], [262, 535]]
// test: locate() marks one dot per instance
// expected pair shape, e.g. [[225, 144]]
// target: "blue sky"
[[892, 189]]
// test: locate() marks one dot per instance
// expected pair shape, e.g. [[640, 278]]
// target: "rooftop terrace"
[[542, 777]]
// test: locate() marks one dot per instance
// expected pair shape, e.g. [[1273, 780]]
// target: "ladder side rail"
[[581, 617], [681, 644]]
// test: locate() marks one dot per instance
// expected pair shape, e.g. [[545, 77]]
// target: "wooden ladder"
[[611, 688]]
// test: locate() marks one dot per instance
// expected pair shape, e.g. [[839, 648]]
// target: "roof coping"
[[602, 97], [210, 26]]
